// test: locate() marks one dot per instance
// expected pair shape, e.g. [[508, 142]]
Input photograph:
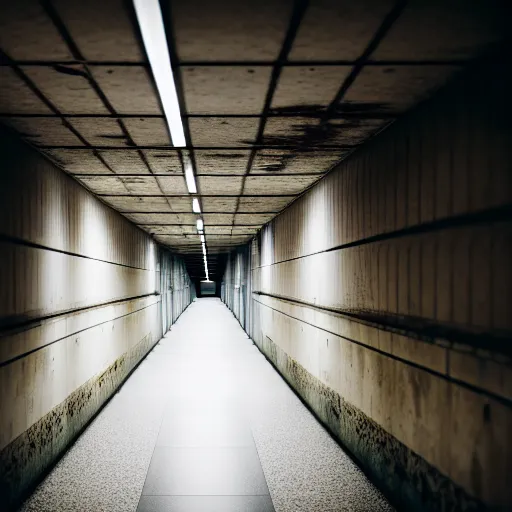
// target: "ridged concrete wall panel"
[[383, 297], [84, 296]]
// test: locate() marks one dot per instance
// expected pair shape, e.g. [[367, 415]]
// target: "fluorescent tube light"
[[195, 205], [152, 30], [190, 178], [200, 224]]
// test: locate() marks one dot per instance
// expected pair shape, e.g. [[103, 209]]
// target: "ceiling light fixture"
[[189, 176], [152, 30], [195, 205], [200, 224]]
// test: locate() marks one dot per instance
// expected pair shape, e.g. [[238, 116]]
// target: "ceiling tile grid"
[[272, 94]]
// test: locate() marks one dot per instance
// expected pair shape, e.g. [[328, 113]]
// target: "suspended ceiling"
[[272, 93]]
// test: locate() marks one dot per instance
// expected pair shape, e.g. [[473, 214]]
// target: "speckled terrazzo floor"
[[206, 424]]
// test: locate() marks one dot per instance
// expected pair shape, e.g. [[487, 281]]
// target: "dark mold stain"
[[335, 132], [69, 71], [308, 110], [409, 479], [227, 155], [26, 458], [110, 136]]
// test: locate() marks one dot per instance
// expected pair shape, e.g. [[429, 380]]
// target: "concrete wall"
[[384, 297], [84, 296]]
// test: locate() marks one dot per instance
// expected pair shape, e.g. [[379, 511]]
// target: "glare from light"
[[189, 177], [200, 224], [202, 238], [149, 17], [195, 205]]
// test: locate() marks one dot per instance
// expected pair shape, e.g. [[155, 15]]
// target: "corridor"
[[255, 255], [205, 424]]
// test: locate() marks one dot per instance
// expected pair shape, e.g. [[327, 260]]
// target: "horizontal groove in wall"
[[20, 241], [11, 326], [502, 400], [423, 330], [25, 354], [492, 215]]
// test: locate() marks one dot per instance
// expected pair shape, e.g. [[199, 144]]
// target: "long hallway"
[[205, 424]]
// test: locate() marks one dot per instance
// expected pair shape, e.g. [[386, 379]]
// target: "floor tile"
[[206, 430], [205, 471], [205, 504]]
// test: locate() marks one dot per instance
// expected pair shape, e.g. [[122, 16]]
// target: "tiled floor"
[[206, 424]]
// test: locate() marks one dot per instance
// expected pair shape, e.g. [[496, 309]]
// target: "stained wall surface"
[[384, 297], [84, 295]]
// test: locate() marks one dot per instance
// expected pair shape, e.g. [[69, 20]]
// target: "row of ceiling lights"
[[149, 17]]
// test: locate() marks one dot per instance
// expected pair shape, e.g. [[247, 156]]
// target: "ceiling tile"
[[245, 231], [126, 161], [352, 132], [338, 29], [222, 131], [67, 87], [462, 30], [263, 204], [77, 161], [394, 89], [141, 184], [227, 240], [162, 218], [218, 230], [217, 218], [219, 185], [219, 204], [163, 161], [16, 97], [181, 204], [148, 131], [299, 162], [293, 131], [43, 131], [242, 31], [128, 88], [100, 131], [243, 89], [278, 184], [307, 89], [138, 204], [221, 161], [307, 133], [253, 219], [179, 240], [103, 184], [173, 184], [102, 30], [27, 33], [169, 230]]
